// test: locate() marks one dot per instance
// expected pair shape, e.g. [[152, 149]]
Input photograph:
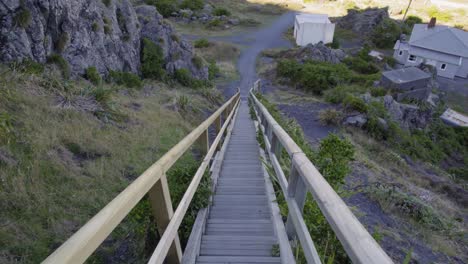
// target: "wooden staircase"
[[239, 228]]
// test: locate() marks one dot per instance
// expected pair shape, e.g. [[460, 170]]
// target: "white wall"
[[314, 33]]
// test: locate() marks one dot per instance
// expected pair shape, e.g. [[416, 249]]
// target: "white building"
[[313, 28]]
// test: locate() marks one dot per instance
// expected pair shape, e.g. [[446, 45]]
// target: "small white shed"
[[313, 28]]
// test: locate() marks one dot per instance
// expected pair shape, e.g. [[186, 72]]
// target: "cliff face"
[[88, 33]]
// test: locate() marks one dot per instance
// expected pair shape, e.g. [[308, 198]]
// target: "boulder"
[[364, 21], [408, 116], [358, 120], [318, 52]]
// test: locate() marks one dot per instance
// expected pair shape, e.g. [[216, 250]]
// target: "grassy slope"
[[60, 165]]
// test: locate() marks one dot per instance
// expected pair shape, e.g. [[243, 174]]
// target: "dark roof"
[[406, 75]]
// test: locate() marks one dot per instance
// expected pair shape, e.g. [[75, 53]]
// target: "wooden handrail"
[[357, 242], [85, 241]]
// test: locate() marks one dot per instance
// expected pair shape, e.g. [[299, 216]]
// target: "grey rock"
[[367, 97], [207, 9], [356, 120], [364, 21], [318, 52], [408, 116], [178, 53], [75, 30], [234, 21], [66, 27]]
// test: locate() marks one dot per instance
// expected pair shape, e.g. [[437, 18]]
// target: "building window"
[[443, 66], [400, 53], [412, 58]]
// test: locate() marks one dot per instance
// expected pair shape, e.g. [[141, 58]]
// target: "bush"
[[198, 62], [335, 44], [390, 61], [107, 2], [93, 75], [102, 95], [127, 79], [337, 94], [378, 91], [164, 7], [352, 102], [319, 76], [221, 12], [361, 66], [183, 76], [152, 60], [192, 4], [107, 30], [288, 68], [201, 43], [29, 66], [330, 117], [410, 21], [23, 18], [385, 34], [213, 70], [61, 63], [95, 27], [214, 23]]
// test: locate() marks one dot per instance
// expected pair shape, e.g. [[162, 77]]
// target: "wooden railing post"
[[297, 190], [204, 142], [160, 200]]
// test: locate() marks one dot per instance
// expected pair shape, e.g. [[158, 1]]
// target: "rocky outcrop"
[[178, 53], [408, 116], [88, 33], [317, 52], [364, 21]]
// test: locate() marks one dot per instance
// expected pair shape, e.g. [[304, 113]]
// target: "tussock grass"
[[70, 162]]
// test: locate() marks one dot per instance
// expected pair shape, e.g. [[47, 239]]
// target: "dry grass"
[[225, 55], [69, 162]]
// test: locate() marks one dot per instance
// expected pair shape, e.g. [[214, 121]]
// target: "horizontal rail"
[[357, 242], [85, 241]]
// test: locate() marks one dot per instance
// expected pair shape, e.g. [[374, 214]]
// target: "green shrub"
[[336, 43], [330, 117], [192, 4], [23, 18], [390, 61], [152, 60], [93, 75], [183, 102], [175, 37], [385, 34], [95, 27], [213, 70], [352, 102], [361, 66], [221, 12], [214, 23], [107, 30], [127, 79], [410, 21], [29, 66], [61, 63], [197, 61], [102, 95], [319, 76], [164, 7], [107, 2], [337, 94], [364, 53], [288, 68], [201, 43], [378, 91], [62, 42], [183, 76]]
